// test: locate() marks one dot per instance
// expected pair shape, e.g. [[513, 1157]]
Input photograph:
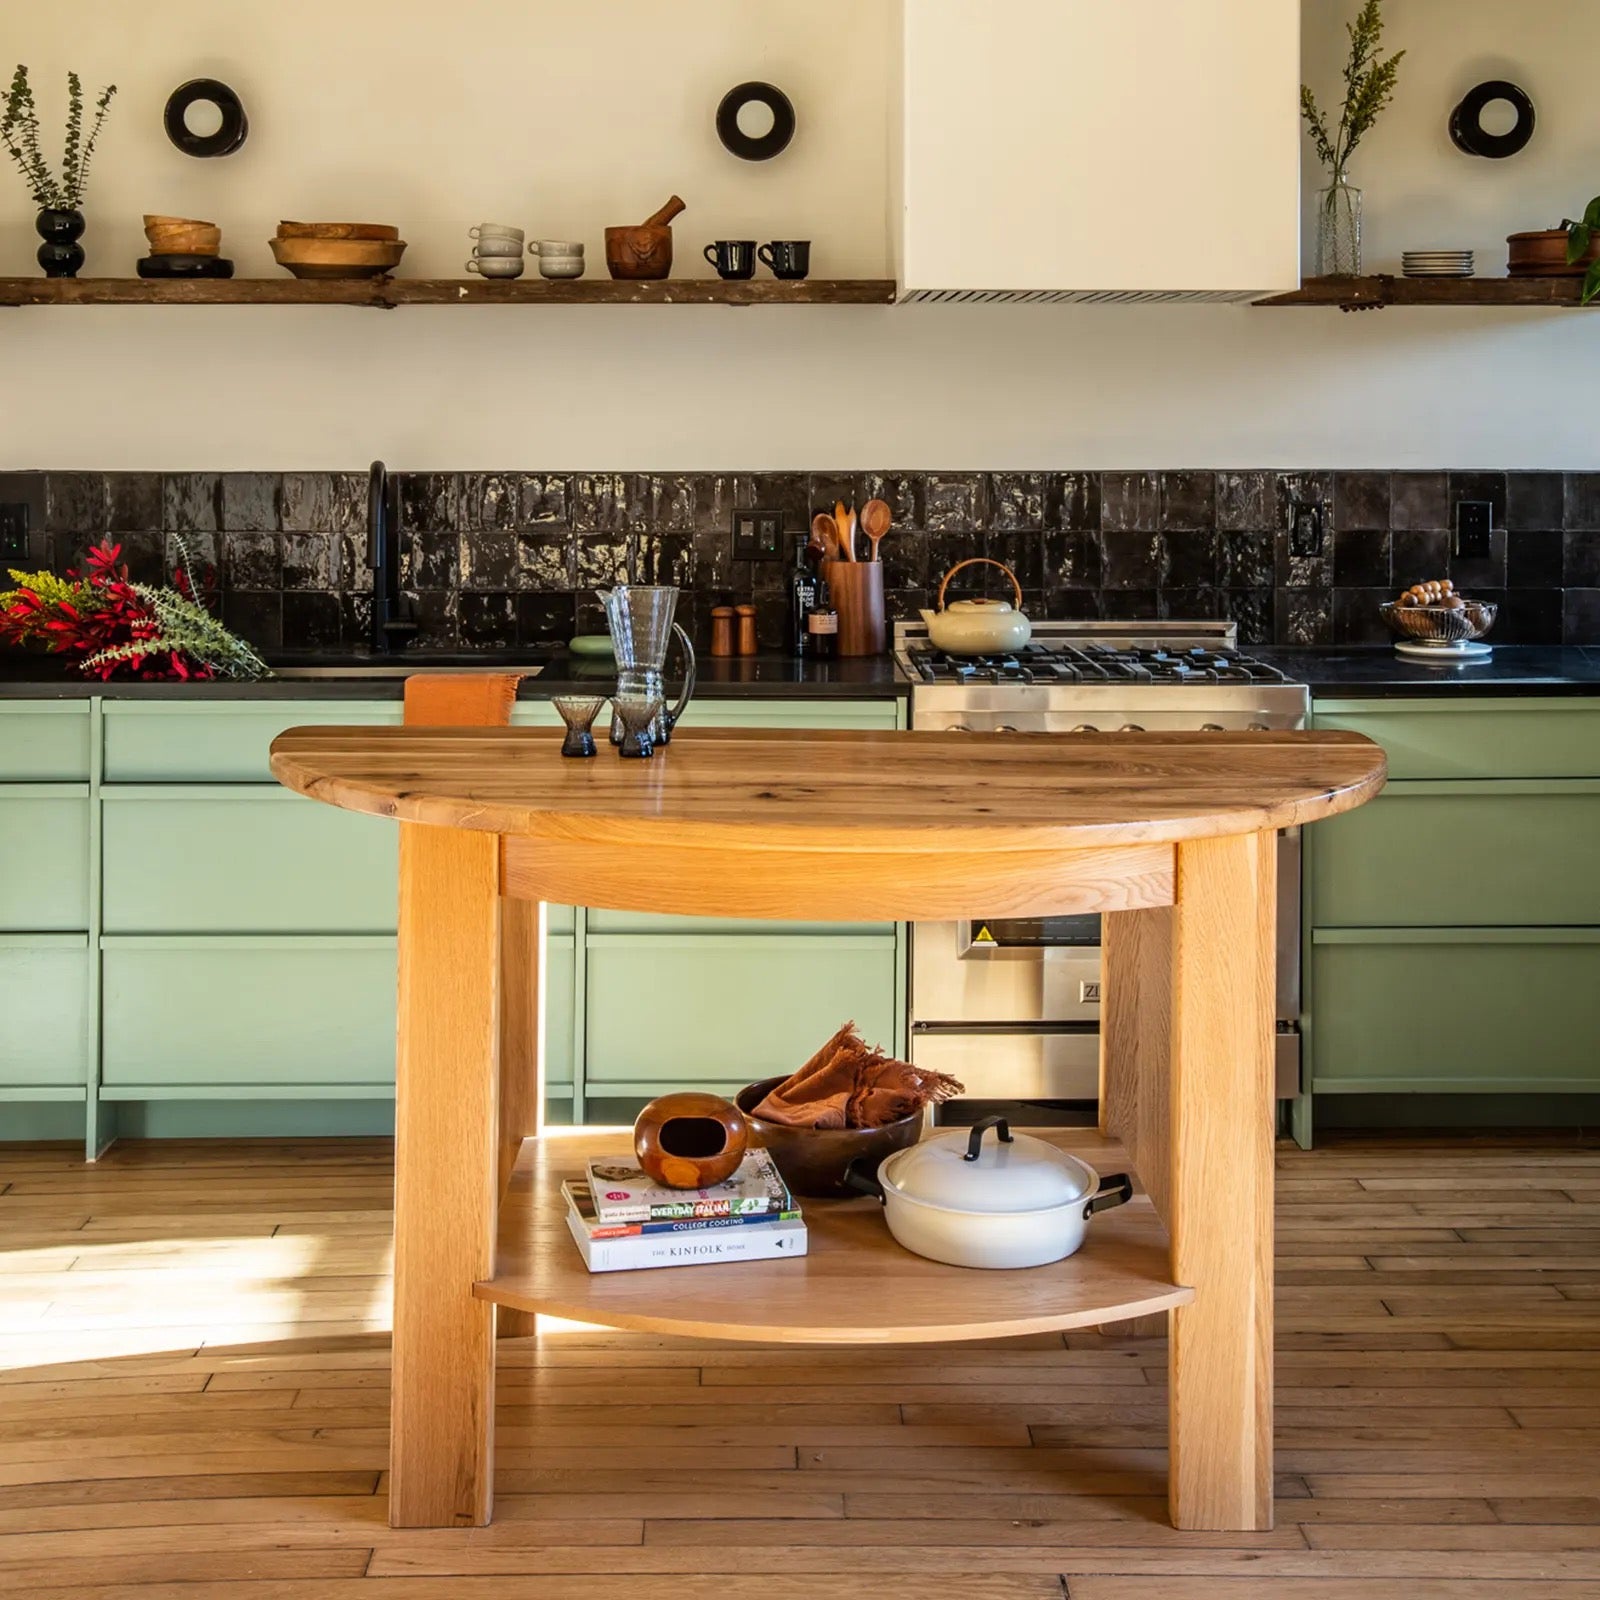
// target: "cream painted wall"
[[498, 111]]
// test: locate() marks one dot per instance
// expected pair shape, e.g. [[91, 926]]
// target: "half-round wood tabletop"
[[833, 791]]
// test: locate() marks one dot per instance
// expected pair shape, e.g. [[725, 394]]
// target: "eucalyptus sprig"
[[1579, 237], [19, 132], [1369, 85]]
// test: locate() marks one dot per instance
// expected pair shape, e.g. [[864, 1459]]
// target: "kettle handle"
[[689, 672], [978, 561]]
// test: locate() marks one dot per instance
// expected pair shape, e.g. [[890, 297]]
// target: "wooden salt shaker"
[[747, 629], [722, 630]]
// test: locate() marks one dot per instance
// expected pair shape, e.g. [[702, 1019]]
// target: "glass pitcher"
[[640, 619]]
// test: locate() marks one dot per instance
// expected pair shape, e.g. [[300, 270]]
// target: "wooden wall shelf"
[[1373, 293], [387, 293]]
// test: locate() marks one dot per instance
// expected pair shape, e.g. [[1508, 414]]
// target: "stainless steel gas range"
[[1011, 1006]]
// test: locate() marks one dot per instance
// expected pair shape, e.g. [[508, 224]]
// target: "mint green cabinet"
[[44, 1013], [720, 1011], [181, 929], [1427, 1012], [1453, 924], [1509, 853], [44, 879], [250, 860]]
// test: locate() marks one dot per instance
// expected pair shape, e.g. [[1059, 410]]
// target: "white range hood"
[[1097, 150]]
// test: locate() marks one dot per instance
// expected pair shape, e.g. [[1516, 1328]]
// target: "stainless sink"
[[394, 669]]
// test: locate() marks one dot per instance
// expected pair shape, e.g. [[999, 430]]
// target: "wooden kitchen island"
[[1170, 836]]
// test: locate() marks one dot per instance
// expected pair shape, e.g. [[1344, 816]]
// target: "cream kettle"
[[978, 627]]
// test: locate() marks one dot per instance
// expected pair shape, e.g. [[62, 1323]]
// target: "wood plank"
[[1379, 290], [445, 1190], [1223, 944]]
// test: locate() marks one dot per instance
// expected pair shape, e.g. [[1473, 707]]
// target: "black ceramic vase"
[[60, 255]]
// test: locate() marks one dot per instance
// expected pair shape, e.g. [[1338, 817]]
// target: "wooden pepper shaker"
[[722, 630], [747, 629]]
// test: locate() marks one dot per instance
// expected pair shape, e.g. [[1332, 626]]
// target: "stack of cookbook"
[[621, 1220]]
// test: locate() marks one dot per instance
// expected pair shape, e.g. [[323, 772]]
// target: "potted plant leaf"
[[1368, 87], [60, 219]]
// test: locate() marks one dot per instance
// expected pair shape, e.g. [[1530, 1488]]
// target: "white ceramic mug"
[[496, 230], [494, 245], [555, 247], [496, 266]]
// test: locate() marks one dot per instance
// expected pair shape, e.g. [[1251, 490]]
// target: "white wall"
[[567, 117]]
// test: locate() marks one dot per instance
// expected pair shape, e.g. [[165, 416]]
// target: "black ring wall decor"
[[765, 146], [1466, 121], [202, 91]]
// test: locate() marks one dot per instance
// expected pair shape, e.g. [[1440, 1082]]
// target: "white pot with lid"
[[1013, 1201]]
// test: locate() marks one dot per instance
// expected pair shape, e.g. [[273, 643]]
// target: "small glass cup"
[[578, 711], [636, 712]]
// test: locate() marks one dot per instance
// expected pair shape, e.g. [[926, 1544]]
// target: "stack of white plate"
[[1437, 263]]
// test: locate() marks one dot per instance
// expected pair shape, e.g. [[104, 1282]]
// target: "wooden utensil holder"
[[857, 591]]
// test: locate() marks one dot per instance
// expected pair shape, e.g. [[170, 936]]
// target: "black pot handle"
[[1117, 1190], [975, 1138], [858, 1176]]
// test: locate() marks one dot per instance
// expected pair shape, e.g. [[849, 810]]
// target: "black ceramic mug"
[[733, 258], [788, 258]]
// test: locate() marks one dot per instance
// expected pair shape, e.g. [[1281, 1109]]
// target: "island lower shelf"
[[856, 1286]]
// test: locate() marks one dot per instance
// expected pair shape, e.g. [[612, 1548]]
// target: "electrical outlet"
[[1306, 532], [757, 535], [1474, 524], [14, 531]]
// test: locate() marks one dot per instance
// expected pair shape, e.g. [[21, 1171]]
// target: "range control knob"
[[1005, 727], [1086, 727], [1258, 727], [1130, 727], [1211, 727], [958, 727]]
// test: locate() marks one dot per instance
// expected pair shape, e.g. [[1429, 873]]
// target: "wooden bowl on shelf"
[[338, 230], [337, 258], [1543, 254], [182, 236], [812, 1161]]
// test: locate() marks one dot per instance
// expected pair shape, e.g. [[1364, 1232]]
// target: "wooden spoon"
[[845, 522], [875, 519], [825, 531]]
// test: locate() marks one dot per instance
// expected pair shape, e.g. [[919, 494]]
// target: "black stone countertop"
[[1377, 671], [33, 677], [1368, 671]]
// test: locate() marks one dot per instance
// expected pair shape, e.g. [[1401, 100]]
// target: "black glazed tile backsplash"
[[497, 560]]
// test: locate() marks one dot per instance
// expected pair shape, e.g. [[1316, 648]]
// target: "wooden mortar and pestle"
[[644, 251]]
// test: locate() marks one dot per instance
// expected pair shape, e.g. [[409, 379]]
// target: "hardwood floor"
[[193, 1404]]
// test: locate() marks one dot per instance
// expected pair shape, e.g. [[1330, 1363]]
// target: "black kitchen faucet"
[[390, 629]]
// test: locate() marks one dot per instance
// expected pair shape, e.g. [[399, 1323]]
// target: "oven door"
[[1015, 970]]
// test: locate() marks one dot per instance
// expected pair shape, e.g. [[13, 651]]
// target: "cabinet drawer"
[[1435, 1013], [259, 862], [44, 744], [44, 1021], [44, 862], [757, 927], [1480, 855], [217, 742], [723, 1011], [230, 1013], [1477, 739]]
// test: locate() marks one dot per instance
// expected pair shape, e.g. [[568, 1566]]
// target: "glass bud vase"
[[1339, 230]]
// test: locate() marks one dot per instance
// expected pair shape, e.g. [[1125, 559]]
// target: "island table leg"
[[1220, 1202], [522, 934], [446, 1189]]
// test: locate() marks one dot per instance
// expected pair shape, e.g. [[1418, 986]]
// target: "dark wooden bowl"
[[639, 252], [690, 1141], [812, 1160]]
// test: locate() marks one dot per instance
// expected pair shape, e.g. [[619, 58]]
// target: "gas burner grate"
[[1039, 662]]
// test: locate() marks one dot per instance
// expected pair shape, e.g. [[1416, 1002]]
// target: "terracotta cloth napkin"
[[847, 1084]]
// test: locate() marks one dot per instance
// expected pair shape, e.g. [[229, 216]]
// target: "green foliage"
[[19, 132], [1369, 85], [1579, 237], [51, 591], [188, 628]]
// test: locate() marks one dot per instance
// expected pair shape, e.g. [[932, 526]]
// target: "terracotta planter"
[[1543, 254]]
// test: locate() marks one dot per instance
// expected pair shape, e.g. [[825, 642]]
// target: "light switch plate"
[[1474, 524], [757, 535], [14, 531]]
